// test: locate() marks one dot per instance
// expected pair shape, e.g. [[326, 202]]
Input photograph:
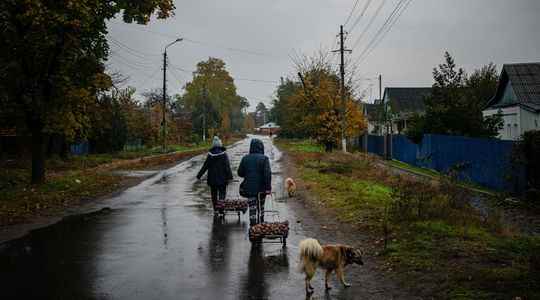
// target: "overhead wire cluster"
[[398, 9], [378, 34], [150, 63]]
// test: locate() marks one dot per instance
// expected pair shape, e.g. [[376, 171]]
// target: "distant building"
[[517, 99], [402, 103], [268, 129], [374, 114]]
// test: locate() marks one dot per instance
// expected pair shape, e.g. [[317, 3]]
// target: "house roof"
[[372, 110], [406, 99], [525, 80], [269, 125]]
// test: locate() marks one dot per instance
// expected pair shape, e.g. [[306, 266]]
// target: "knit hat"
[[217, 142]]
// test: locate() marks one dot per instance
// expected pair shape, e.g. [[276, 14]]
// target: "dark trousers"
[[256, 210], [218, 191]]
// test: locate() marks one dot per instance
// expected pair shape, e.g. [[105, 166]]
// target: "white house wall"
[[511, 117], [529, 120]]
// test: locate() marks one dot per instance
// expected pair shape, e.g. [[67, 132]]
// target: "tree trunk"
[[328, 146], [38, 155]]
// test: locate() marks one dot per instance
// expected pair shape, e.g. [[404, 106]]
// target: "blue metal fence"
[[79, 149], [376, 144], [486, 162]]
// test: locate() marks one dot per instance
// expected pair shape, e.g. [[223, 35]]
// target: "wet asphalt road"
[[159, 240]]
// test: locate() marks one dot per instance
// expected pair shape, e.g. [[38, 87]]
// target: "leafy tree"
[[317, 108], [456, 104], [211, 95], [249, 123], [154, 115], [282, 109], [525, 153], [52, 54], [311, 107], [225, 123], [237, 114], [261, 114], [109, 130]]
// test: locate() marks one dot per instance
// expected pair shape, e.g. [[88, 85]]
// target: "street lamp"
[[163, 125]]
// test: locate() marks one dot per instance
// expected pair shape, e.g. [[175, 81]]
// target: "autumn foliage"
[[312, 107]]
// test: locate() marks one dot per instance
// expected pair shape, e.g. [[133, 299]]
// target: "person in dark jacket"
[[255, 169], [219, 172]]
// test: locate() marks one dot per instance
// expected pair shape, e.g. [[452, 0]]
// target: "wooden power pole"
[[163, 124], [343, 109]]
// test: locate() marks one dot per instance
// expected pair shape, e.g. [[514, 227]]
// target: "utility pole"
[[204, 114], [387, 135], [380, 87], [342, 51], [163, 124]]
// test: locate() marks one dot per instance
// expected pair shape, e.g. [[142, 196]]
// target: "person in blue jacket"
[[219, 173], [255, 169]]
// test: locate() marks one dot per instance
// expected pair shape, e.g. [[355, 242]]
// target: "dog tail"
[[310, 253]]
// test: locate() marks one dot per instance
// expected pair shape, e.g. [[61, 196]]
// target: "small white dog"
[[290, 185]]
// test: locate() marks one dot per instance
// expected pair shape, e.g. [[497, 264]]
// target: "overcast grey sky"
[[255, 38]]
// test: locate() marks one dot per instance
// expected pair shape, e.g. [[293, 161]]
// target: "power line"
[[132, 50], [351, 13], [250, 52], [147, 79], [360, 16], [130, 64], [369, 24], [176, 76], [203, 43], [132, 58], [256, 80], [385, 28], [234, 78], [136, 64]]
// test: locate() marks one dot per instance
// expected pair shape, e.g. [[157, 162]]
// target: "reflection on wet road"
[[159, 240]]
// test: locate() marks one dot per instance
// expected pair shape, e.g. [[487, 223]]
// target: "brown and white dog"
[[290, 185], [329, 257]]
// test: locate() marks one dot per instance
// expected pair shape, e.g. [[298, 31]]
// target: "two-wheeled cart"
[[276, 231], [232, 206]]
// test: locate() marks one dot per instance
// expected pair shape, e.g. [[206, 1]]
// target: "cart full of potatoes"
[[275, 231]]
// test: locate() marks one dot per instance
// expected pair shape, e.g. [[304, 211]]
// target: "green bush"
[[526, 153]]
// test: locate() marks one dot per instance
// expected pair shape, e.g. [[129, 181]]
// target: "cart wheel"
[[255, 241]]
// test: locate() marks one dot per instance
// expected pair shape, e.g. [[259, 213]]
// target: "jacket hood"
[[216, 151], [256, 146]]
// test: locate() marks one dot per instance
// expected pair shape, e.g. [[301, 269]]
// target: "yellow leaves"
[[102, 81], [225, 123], [317, 109]]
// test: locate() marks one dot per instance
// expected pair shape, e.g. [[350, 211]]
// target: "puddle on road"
[[136, 174]]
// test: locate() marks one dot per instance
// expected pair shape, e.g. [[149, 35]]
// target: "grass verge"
[[75, 180], [425, 233], [429, 173]]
